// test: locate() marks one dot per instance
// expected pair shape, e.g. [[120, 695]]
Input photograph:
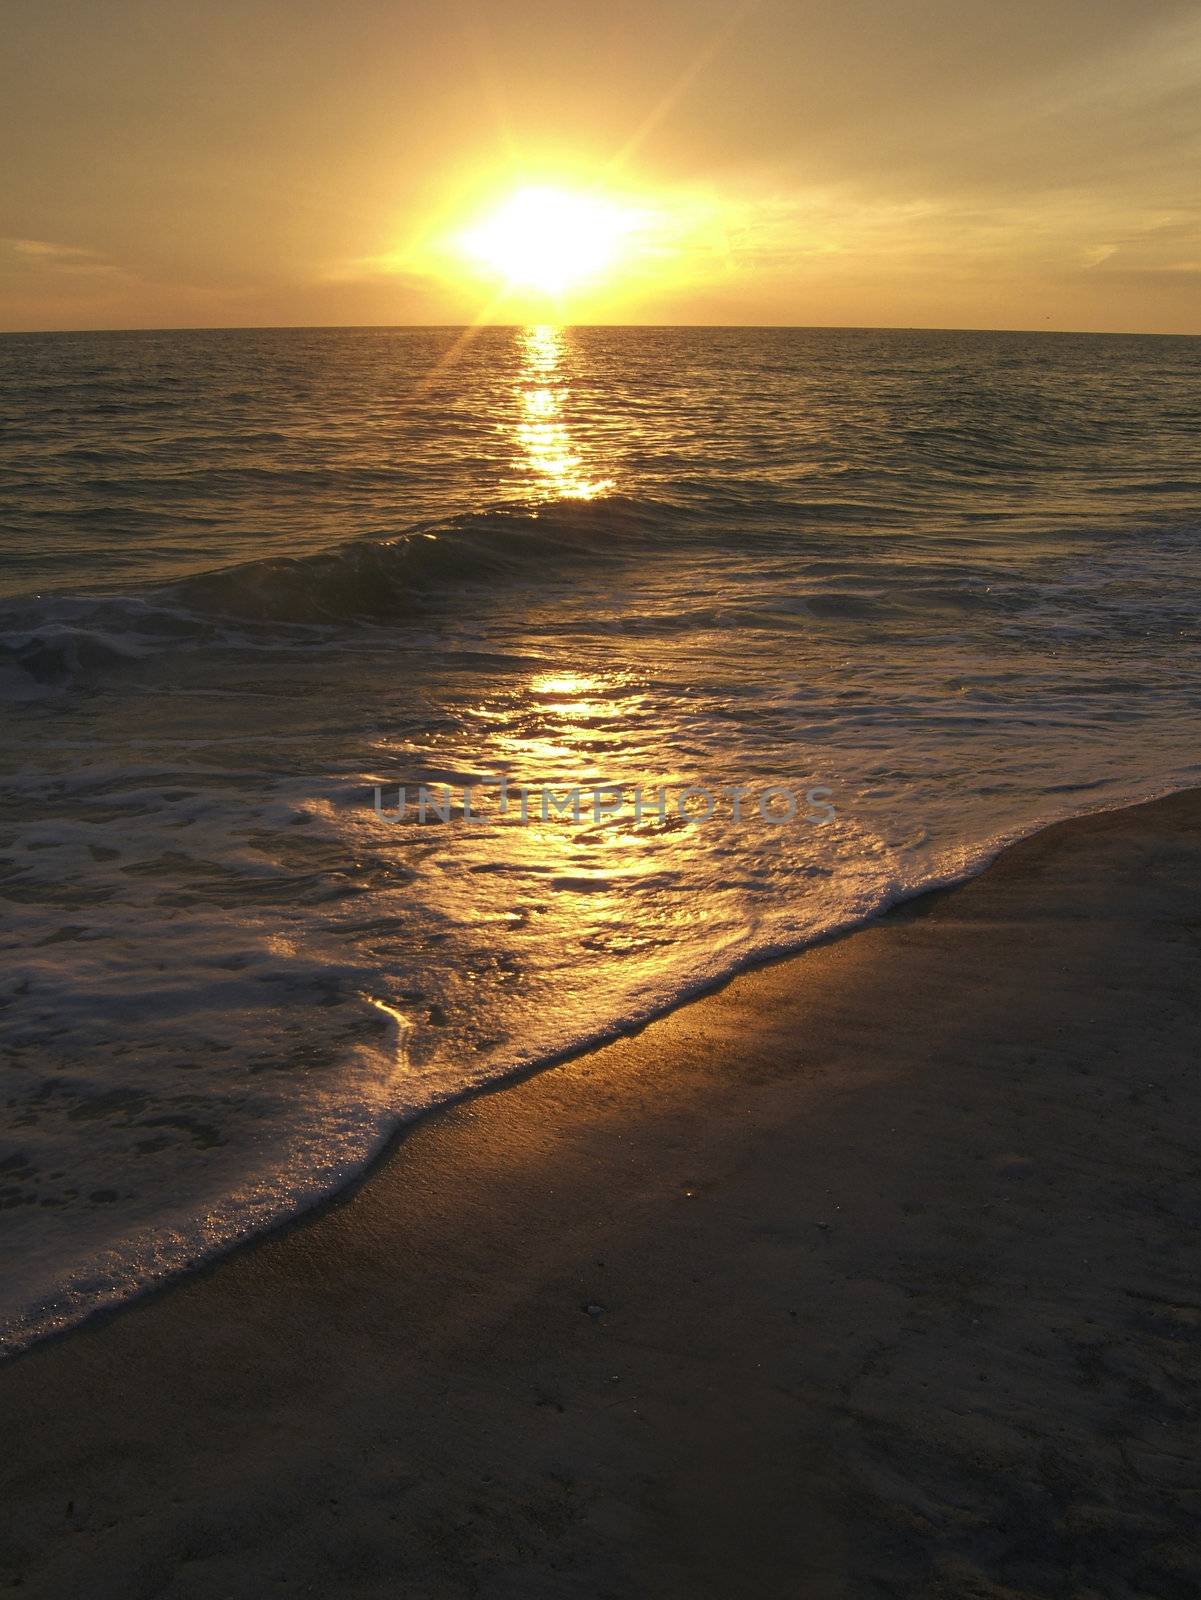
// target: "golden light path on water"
[[588, 854], [548, 455], [571, 719], [567, 728]]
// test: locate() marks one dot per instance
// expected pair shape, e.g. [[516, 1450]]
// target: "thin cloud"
[[43, 249], [76, 261]]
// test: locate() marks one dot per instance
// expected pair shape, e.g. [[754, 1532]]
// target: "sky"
[[886, 163]]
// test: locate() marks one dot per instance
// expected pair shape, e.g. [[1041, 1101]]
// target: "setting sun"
[[549, 239]]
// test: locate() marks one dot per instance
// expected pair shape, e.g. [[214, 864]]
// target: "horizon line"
[[460, 327]]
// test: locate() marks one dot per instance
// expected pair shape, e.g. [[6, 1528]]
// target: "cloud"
[[42, 247], [35, 254]]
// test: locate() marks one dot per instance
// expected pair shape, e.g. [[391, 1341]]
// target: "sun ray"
[[667, 103]]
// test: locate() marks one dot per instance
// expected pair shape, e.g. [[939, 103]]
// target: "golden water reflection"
[[548, 454]]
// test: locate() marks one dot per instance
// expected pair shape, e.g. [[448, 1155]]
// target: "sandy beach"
[[873, 1274]]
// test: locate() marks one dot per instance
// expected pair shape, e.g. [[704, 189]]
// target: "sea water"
[[255, 582]]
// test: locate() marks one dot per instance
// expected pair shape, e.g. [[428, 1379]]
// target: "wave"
[[816, 570], [66, 640], [382, 579], [61, 640]]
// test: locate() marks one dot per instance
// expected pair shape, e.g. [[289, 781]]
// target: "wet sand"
[[873, 1274]]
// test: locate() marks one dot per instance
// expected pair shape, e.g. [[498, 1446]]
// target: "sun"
[[549, 239]]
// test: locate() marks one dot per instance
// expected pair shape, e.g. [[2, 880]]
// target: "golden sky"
[[1026, 164]]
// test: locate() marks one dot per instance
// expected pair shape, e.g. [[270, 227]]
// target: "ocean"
[[940, 588]]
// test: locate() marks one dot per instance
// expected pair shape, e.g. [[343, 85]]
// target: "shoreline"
[[18, 1340], [784, 1135]]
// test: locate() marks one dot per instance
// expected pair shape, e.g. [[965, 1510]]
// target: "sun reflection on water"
[[548, 455]]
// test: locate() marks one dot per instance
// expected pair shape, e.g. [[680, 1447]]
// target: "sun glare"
[[549, 239]]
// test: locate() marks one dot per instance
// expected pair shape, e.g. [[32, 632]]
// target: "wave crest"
[[57, 641], [381, 579]]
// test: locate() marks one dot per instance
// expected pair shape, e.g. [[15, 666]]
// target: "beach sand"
[[875, 1273]]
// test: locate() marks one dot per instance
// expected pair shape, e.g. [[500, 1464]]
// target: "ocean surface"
[[950, 580]]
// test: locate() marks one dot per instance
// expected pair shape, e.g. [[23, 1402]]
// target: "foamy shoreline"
[[129, 1270]]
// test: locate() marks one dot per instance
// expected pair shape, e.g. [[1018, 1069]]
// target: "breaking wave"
[[60, 640]]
